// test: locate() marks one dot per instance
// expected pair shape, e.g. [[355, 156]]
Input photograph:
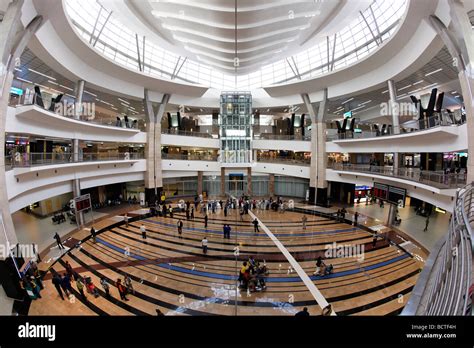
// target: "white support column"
[[153, 176], [460, 43], [13, 40], [76, 184], [392, 90], [317, 179]]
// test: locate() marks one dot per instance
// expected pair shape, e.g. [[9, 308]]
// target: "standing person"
[[128, 284], [374, 241], [171, 211], [35, 251], [205, 220], [356, 217], [93, 234], [56, 280], [187, 212], [58, 241], [228, 231], [427, 222], [225, 210], [122, 290], [180, 227], [125, 219], [66, 284], [192, 213], [80, 287], [69, 269], [304, 219], [105, 286], [143, 231], [204, 243], [255, 225], [242, 214]]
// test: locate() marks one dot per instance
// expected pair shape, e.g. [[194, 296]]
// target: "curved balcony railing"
[[437, 120], [268, 136], [65, 109], [446, 285], [191, 157], [431, 178], [188, 133], [285, 160], [40, 159]]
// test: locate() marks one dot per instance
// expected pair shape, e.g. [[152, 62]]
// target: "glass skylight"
[[354, 42]]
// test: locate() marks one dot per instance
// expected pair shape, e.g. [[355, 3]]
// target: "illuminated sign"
[[17, 91], [348, 114]]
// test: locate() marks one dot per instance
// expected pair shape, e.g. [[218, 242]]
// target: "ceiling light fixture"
[[40, 73], [418, 82], [434, 72], [348, 100]]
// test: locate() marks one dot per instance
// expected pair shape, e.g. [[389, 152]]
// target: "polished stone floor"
[[169, 272]]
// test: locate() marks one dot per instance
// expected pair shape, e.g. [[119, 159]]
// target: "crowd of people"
[[252, 275]]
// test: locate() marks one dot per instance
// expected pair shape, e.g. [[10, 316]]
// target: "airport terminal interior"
[[236, 157]]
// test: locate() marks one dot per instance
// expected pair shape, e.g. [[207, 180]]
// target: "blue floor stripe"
[[268, 279], [253, 234]]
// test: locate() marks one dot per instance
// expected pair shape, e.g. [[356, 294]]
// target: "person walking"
[[105, 286], [356, 217], [69, 270], [58, 241], [206, 218], [125, 219], [304, 219], [192, 213], [427, 222], [128, 284], [204, 243], [122, 290], [255, 226], [143, 231], [171, 211], [180, 227], [93, 234], [66, 284], [225, 210], [56, 280], [187, 213]]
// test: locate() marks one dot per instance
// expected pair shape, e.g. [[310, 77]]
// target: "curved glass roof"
[[362, 36]]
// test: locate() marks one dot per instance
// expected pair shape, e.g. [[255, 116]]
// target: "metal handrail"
[[187, 133], [431, 178], [286, 160], [31, 159], [191, 157], [437, 120], [444, 286], [33, 99], [270, 136]]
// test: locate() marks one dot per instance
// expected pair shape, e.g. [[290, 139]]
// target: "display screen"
[[82, 202], [380, 191], [348, 114]]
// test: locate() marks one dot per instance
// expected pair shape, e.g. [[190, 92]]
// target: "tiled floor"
[[31, 229], [411, 224], [172, 274]]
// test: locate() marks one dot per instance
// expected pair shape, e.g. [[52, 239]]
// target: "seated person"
[[91, 287]]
